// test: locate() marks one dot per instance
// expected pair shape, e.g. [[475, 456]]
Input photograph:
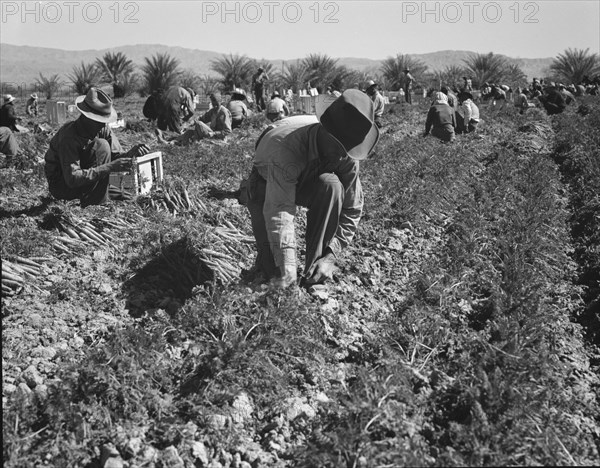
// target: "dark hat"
[[407, 70], [350, 120], [275, 94], [463, 95], [216, 95], [97, 105]]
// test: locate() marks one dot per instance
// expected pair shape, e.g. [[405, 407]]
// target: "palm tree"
[[322, 70], [573, 64], [294, 76], [189, 79], [451, 76], [114, 67], [486, 68], [514, 76], [159, 72], [393, 68], [235, 70], [49, 86], [84, 77]]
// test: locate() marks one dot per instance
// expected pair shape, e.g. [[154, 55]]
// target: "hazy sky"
[[292, 29]]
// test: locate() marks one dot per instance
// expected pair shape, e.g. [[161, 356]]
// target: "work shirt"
[[259, 78], [238, 109], [219, 121], [31, 106], [522, 102], [378, 104], [8, 117], [177, 97], [441, 118], [287, 157], [469, 111], [278, 106], [66, 150]]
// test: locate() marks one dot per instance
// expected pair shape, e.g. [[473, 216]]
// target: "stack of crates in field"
[[146, 174], [56, 111]]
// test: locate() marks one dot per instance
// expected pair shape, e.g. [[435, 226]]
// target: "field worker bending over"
[[238, 108], [31, 106], [313, 165], [378, 102], [440, 119], [277, 108], [84, 152], [176, 101], [467, 115], [215, 124]]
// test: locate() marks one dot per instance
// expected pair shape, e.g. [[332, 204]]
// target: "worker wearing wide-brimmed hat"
[[313, 162], [8, 115], [31, 106], [238, 108], [378, 102], [85, 151]]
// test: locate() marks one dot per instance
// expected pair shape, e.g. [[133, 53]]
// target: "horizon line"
[[274, 59]]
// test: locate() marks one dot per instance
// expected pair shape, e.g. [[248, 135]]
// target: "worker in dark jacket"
[[552, 100], [8, 115], [152, 106], [440, 119], [84, 152]]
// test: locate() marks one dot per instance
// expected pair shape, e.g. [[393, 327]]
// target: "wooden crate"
[[56, 111], [146, 174]]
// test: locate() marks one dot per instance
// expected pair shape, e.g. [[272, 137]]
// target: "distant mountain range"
[[22, 64]]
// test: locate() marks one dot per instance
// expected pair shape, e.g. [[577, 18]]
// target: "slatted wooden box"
[[56, 111], [147, 174]]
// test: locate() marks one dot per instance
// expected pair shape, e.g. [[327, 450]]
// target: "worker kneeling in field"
[[440, 119], [277, 108], [8, 145], [215, 124], [312, 162], [467, 114], [84, 152]]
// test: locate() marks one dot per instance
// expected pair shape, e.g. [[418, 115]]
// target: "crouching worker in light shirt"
[[312, 162]]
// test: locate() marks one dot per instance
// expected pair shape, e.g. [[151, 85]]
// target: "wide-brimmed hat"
[[8, 98], [464, 95], [97, 105], [34, 96], [370, 84], [350, 120], [239, 92]]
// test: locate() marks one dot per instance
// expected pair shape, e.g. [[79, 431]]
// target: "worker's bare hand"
[[321, 270], [138, 150], [121, 165]]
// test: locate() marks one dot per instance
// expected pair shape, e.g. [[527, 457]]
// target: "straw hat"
[[8, 98], [350, 120], [97, 105], [34, 96]]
